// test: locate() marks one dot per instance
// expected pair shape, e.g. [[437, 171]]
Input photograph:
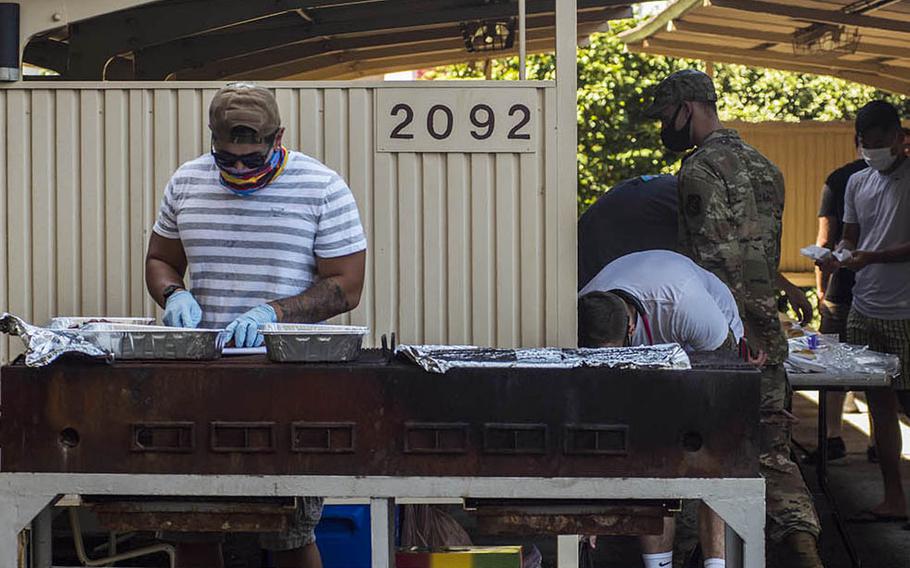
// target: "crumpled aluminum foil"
[[442, 358], [43, 346], [829, 355], [661, 356]]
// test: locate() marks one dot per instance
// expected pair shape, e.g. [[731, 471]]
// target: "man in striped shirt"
[[268, 235]]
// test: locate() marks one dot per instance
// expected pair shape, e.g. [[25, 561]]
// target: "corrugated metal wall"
[[806, 152], [461, 245]]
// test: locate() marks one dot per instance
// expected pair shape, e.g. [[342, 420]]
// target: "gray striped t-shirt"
[[243, 251]]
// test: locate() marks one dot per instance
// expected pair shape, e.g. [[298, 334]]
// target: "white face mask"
[[878, 158]]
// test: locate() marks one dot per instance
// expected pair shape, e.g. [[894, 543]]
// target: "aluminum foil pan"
[[43, 346], [441, 358], [73, 322], [312, 343], [154, 341]]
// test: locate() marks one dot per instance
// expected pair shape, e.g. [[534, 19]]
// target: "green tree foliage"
[[616, 141]]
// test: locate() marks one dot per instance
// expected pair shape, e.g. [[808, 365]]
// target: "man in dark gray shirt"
[[640, 214], [635, 215]]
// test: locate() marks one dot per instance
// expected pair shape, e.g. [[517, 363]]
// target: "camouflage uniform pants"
[[788, 503]]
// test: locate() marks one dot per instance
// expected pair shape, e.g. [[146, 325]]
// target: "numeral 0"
[[431, 126]]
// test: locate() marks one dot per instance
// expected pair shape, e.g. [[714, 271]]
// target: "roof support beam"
[[815, 15], [329, 67], [448, 51], [562, 211], [366, 66], [866, 6], [659, 21], [39, 16], [785, 58], [160, 61], [686, 26], [95, 41], [47, 53], [893, 85], [292, 59]]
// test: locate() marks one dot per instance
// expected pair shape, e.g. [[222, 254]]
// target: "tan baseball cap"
[[685, 85], [244, 104]]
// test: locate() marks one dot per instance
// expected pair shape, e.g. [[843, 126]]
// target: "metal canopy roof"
[[867, 41], [290, 39]]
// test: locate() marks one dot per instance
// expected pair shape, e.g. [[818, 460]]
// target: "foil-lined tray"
[[127, 341], [312, 343], [442, 358], [75, 322], [43, 346]]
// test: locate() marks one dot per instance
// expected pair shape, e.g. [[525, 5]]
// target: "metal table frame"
[[739, 501], [825, 383]]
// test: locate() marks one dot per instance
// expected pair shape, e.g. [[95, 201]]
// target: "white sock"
[[715, 563], [659, 560]]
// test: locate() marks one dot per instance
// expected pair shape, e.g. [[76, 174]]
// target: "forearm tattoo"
[[323, 300]]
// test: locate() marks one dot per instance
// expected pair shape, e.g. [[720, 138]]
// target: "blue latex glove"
[[245, 329], [182, 310]]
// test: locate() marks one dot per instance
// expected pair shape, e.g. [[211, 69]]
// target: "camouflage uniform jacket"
[[731, 202]]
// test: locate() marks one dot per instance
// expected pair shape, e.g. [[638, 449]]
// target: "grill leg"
[[16, 513], [744, 515], [43, 547], [9, 545], [733, 547], [567, 551], [382, 532]]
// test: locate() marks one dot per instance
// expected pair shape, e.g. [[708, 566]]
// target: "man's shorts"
[[884, 336], [834, 319], [301, 527]]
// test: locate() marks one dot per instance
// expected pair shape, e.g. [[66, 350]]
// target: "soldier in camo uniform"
[[731, 201]]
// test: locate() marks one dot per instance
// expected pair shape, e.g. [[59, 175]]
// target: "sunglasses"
[[254, 160]]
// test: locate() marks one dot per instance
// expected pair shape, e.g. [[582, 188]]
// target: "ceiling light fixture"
[[488, 35]]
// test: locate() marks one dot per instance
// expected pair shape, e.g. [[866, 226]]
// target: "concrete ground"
[[856, 485]]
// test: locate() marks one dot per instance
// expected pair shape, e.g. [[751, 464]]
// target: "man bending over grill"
[[653, 297], [269, 235]]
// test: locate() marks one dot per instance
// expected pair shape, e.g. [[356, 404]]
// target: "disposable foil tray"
[[127, 341], [74, 322], [312, 343]]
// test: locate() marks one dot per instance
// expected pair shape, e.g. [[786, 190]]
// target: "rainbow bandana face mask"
[[249, 182]]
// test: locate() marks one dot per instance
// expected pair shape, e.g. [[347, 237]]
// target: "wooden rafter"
[[896, 84], [761, 32], [864, 47], [196, 52], [287, 60], [815, 15]]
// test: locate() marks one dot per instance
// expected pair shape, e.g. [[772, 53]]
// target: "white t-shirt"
[[683, 302], [244, 251], [880, 205]]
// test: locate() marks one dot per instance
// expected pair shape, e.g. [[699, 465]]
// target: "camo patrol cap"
[[685, 85]]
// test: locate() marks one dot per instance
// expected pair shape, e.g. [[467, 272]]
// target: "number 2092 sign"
[[435, 119]]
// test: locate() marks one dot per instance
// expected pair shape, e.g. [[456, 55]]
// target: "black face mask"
[[677, 140]]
